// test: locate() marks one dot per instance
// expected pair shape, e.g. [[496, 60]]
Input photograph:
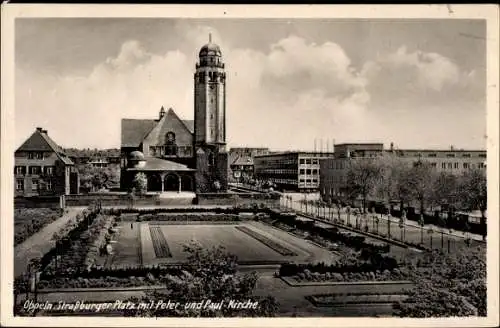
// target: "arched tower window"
[[170, 144]]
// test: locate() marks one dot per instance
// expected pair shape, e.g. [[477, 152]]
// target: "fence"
[[39, 202], [270, 200], [425, 237]]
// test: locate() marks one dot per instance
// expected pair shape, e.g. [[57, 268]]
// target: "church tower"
[[210, 98], [210, 119]]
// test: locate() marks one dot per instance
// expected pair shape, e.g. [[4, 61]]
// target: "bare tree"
[[363, 175]]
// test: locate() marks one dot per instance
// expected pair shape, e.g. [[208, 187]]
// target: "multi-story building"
[[99, 162], [293, 171], [334, 170], [241, 162], [43, 169]]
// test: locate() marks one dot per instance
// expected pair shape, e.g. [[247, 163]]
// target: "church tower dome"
[[210, 98]]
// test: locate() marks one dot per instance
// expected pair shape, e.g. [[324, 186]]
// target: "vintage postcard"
[[249, 165]]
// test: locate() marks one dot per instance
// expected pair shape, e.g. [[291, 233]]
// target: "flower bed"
[[386, 275], [81, 250], [332, 234], [147, 279], [215, 217], [331, 300], [267, 241], [254, 208], [28, 221], [160, 244]]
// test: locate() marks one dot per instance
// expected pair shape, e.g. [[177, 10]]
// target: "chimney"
[[452, 148], [39, 129], [44, 131], [162, 112], [392, 146]]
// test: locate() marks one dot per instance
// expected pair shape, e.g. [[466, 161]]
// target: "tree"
[[392, 184], [362, 177], [452, 284], [211, 275], [445, 189], [473, 190], [95, 178], [140, 182], [420, 180], [217, 186]]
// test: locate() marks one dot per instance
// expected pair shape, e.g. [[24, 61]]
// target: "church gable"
[[170, 136], [169, 123]]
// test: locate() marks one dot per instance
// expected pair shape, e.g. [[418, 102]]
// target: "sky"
[[416, 83]]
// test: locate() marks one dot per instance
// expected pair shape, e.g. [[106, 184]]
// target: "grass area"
[[136, 243], [126, 250], [267, 241], [28, 221]]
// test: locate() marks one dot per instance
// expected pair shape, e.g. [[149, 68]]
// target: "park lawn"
[[237, 242], [126, 250], [28, 221], [135, 246]]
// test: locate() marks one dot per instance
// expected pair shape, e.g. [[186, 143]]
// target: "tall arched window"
[[170, 144]]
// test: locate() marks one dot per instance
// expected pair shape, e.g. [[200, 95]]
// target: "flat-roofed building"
[[334, 170], [291, 171]]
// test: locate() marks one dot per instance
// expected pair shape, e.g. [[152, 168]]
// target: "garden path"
[[41, 242]]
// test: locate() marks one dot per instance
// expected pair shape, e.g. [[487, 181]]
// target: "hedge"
[[380, 263]]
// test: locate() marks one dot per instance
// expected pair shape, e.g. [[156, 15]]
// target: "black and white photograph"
[[182, 162]]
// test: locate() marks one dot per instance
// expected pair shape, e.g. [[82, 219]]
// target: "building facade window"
[[450, 165], [443, 165], [19, 184], [20, 170], [466, 165], [35, 169], [432, 155], [49, 170], [170, 144], [34, 185], [48, 185], [456, 165]]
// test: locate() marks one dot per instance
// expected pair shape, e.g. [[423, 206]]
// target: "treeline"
[[96, 178], [91, 153], [389, 179]]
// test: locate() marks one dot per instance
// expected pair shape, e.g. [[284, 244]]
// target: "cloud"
[[282, 98], [421, 79]]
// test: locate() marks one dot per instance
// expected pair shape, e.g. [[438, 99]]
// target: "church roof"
[[158, 164], [40, 141], [134, 131], [189, 124]]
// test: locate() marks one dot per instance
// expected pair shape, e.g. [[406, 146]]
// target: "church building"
[[182, 155]]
